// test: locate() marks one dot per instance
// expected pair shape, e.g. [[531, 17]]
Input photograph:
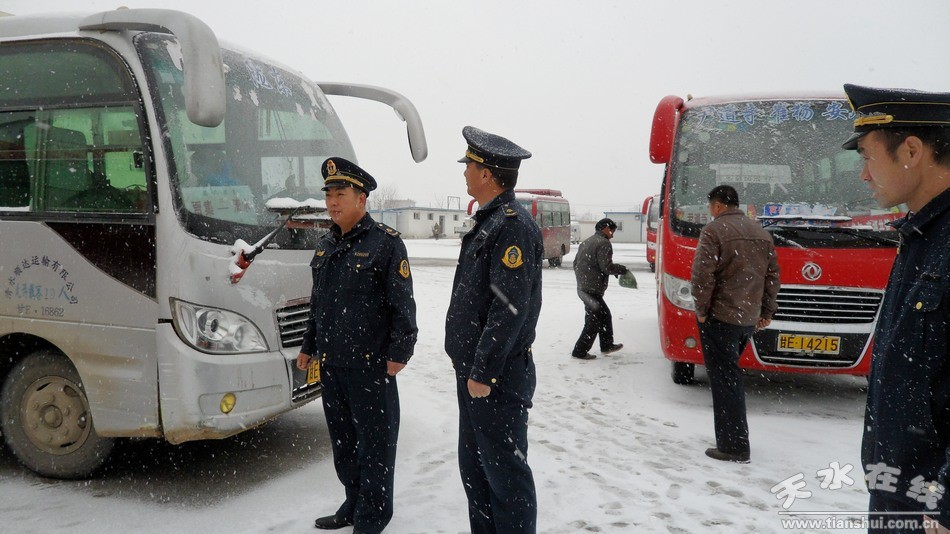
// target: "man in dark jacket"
[[489, 328], [593, 265], [361, 332], [735, 282], [904, 138]]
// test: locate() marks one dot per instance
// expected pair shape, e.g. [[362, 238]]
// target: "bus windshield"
[[277, 131], [785, 160]]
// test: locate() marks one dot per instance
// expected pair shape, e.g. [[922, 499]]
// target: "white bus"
[[134, 152]]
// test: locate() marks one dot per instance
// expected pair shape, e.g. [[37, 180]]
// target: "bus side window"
[[548, 219], [65, 166], [124, 165], [105, 175], [14, 171]]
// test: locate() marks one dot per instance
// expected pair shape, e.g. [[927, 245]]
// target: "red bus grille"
[[804, 304]]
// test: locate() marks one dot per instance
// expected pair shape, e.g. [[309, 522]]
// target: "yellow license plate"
[[809, 344], [313, 372]]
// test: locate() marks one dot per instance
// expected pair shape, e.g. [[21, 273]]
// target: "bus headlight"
[[679, 292], [214, 330]]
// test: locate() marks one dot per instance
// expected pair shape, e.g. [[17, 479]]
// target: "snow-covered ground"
[[615, 445]]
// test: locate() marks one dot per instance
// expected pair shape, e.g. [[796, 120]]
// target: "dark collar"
[[505, 197], [363, 225], [917, 223]]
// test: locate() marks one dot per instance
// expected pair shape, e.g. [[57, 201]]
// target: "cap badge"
[[331, 167], [513, 258]]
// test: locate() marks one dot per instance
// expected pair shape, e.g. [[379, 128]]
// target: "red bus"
[[552, 212], [783, 154], [651, 208]]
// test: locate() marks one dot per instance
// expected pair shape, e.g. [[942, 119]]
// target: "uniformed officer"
[[904, 139], [362, 331], [489, 328]]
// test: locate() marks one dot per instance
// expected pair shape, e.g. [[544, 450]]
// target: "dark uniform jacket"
[[362, 309], [594, 263], [496, 296], [735, 276], [907, 422]]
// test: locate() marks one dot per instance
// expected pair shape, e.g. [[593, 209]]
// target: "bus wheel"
[[554, 262], [45, 418], [683, 372]]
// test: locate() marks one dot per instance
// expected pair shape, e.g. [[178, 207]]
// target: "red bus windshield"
[[786, 161]]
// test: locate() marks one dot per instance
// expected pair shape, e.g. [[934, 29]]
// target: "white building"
[[631, 226], [414, 222], [585, 229]]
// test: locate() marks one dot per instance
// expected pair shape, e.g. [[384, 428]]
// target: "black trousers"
[[493, 451], [891, 518], [362, 410], [597, 322], [722, 345]]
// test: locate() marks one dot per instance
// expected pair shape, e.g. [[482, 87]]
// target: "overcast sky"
[[575, 82]]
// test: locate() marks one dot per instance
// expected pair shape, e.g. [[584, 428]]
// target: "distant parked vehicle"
[[552, 212]]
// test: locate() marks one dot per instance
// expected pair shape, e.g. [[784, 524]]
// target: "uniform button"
[[357, 265], [367, 356], [919, 305], [493, 380]]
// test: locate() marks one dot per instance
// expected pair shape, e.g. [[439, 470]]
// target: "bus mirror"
[[403, 107], [201, 56], [664, 124]]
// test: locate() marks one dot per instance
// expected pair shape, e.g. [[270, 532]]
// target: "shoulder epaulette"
[[509, 211], [388, 229]]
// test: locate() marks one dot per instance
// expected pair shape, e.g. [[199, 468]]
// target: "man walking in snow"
[[593, 266], [735, 285]]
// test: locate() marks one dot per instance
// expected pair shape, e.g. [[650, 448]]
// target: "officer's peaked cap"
[[894, 108], [492, 150], [338, 172]]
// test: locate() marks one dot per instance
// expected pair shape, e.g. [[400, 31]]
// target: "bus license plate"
[[809, 344], [313, 372]]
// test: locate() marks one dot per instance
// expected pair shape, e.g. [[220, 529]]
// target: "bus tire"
[[682, 372], [554, 262], [46, 421]]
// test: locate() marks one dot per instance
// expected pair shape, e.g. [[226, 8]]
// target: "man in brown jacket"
[[735, 284]]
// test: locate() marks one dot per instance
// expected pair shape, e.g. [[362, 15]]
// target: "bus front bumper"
[[210, 396]]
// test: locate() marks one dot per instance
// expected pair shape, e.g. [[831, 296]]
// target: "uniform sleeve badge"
[[513, 258], [404, 269]]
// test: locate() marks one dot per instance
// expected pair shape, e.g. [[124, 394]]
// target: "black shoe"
[[584, 356], [739, 457], [332, 522], [612, 348]]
